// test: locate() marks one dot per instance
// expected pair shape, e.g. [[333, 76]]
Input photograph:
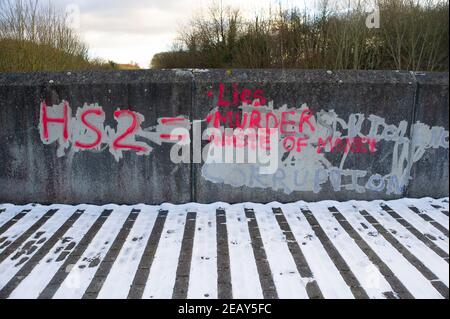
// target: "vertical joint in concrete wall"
[[413, 119], [192, 118]]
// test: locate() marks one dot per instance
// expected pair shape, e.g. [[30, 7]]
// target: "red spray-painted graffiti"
[[98, 140], [303, 139], [45, 119], [100, 135], [295, 127], [246, 96], [87, 131]]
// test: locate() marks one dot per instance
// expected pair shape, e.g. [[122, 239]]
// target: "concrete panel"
[[341, 135], [388, 95], [430, 173], [32, 172]]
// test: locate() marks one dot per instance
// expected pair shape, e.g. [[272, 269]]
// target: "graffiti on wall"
[[301, 150], [314, 153], [87, 131]]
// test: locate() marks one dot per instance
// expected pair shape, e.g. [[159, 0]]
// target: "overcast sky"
[[134, 30]]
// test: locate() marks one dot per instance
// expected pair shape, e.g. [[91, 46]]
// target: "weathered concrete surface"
[[31, 171], [430, 174], [328, 249], [387, 94]]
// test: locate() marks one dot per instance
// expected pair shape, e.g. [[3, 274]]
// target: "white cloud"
[[134, 30]]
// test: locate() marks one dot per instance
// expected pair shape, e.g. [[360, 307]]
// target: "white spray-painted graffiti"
[[307, 141], [86, 131], [312, 149]]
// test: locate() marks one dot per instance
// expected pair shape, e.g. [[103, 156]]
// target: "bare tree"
[[413, 36], [40, 23], [36, 36]]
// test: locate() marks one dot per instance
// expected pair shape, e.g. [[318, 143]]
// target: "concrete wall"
[[395, 125]]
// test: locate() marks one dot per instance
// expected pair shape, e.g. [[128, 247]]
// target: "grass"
[[26, 56], [35, 37]]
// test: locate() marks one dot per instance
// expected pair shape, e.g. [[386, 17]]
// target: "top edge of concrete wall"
[[224, 75]]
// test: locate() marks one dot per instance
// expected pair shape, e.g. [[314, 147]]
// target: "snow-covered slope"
[[356, 249]]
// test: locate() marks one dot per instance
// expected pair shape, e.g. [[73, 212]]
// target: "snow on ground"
[[328, 249]]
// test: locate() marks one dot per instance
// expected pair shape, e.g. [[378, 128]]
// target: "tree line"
[[412, 35], [35, 36]]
